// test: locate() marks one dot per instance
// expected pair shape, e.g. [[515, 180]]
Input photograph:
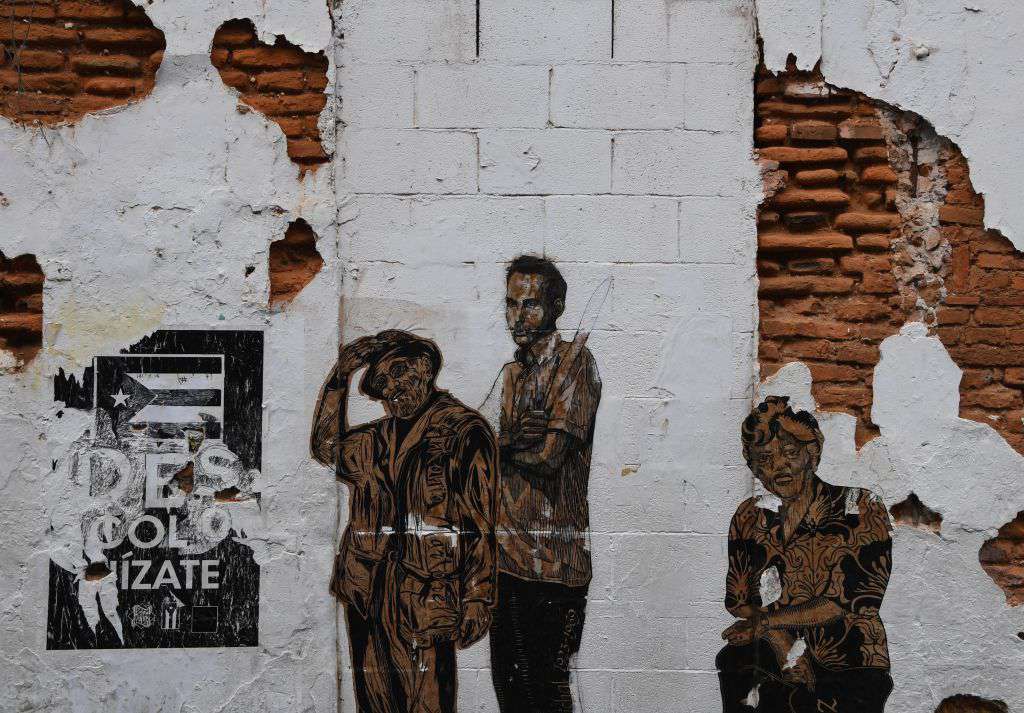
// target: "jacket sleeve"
[[478, 460]]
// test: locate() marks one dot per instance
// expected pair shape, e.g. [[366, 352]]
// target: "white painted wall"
[[636, 167]]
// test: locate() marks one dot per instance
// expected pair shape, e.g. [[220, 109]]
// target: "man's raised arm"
[[330, 420]]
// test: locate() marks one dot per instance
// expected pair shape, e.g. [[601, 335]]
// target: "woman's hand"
[[746, 631]]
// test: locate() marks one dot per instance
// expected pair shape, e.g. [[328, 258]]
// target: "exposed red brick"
[[799, 109], [878, 174], [1002, 558], [863, 222], [861, 129], [65, 54], [871, 154], [771, 134], [805, 285], [294, 262], [826, 301], [281, 81], [773, 241], [798, 156], [959, 214], [812, 130], [21, 306], [818, 177], [798, 198], [873, 241]]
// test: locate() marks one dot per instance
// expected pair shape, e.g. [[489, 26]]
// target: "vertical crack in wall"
[[21, 309], [294, 262], [281, 81], [62, 59]]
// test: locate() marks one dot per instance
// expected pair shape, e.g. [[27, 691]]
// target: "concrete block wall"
[[635, 167], [400, 152]]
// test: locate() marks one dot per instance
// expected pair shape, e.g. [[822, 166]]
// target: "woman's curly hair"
[[775, 414]]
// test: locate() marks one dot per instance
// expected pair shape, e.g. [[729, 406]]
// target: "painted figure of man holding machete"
[[549, 399]]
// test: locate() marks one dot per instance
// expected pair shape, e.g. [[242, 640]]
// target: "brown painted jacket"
[[421, 523]]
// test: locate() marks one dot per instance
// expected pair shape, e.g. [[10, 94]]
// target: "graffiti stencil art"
[[809, 565], [416, 566], [151, 543]]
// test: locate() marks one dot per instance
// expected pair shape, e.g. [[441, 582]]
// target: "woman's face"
[[784, 465]]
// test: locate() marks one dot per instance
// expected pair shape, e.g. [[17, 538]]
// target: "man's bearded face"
[[784, 465], [404, 384], [527, 311]]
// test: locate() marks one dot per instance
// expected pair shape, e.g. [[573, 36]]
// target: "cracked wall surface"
[[617, 139], [943, 405], [280, 81]]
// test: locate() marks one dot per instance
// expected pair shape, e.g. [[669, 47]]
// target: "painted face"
[[784, 465], [404, 384], [527, 311]]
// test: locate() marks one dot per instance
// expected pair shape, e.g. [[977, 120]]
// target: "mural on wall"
[[809, 564], [549, 394], [439, 549], [416, 567], [151, 543]]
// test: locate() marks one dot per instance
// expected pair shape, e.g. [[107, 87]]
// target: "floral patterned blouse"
[[841, 551]]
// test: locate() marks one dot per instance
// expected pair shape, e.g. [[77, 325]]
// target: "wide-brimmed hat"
[[395, 342]]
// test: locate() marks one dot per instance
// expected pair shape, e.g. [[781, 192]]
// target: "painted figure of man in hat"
[[416, 567]]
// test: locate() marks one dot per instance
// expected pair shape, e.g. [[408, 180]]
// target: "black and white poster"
[[153, 542]]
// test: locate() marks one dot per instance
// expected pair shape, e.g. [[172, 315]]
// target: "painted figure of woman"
[[809, 563]]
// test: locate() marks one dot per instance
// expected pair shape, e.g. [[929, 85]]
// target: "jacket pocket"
[[429, 609]]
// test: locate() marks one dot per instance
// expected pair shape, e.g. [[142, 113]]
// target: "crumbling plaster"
[[186, 191], [950, 61], [950, 629]]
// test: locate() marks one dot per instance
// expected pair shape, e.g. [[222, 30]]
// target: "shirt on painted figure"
[[841, 551], [544, 518]]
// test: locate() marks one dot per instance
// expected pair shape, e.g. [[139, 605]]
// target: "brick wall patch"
[[21, 306], [62, 59], [294, 262], [872, 221], [827, 292], [281, 81]]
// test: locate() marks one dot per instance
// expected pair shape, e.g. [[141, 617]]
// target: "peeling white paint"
[[147, 216], [960, 468], [948, 61]]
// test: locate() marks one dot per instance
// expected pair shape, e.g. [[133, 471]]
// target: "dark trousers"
[[431, 688], [535, 633], [741, 668], [358, 638]]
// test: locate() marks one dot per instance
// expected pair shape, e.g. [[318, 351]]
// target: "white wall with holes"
[[613, 136]]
